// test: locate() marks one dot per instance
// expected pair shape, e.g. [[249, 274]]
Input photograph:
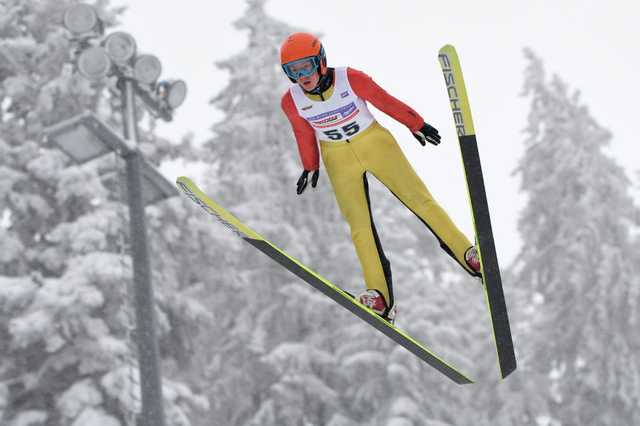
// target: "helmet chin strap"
[[323, 84]]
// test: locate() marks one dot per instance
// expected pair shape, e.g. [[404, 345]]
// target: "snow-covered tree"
[[578, 265], [256, 167], [292, 354], [64, 268]]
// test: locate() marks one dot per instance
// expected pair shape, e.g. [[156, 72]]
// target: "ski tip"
[[183, 179], [447, 49]]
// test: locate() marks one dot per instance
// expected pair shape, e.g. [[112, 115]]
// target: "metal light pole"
[[85, 137], [148, 359]]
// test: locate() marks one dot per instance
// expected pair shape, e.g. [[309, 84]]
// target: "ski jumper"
[[353, 143]]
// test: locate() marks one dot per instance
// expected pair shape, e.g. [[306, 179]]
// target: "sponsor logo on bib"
[[335, 116]]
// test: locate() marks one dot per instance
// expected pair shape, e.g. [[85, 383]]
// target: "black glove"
[[427, 134], [302, 182]]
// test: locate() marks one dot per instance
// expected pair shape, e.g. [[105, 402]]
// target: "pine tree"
[[577, 265], [64, 272], [294, 355], [267, 349]]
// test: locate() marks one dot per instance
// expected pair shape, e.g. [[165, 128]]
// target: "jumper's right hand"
[[302, 182]]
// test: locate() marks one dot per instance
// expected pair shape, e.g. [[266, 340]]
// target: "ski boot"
[[473, 260], [374, 300]]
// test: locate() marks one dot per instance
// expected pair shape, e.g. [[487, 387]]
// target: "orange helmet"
[[299, 48]]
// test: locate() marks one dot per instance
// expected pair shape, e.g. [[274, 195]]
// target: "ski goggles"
[[304, 67]]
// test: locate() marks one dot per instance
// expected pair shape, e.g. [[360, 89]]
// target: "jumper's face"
[[309, 83]]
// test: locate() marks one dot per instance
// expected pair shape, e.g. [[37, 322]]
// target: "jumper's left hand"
[[427, 134]]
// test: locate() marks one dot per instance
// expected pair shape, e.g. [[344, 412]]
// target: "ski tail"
[[494, 295]]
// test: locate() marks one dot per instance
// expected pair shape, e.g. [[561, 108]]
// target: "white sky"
[[591, 44]]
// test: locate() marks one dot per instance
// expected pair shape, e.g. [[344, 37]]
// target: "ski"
[[494, 294], [320, 283]]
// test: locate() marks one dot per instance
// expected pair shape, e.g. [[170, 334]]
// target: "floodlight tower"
[[97, 57]]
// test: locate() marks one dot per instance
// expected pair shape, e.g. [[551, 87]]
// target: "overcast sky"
[[593, 45]]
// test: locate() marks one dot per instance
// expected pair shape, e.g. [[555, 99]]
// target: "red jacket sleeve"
[[304, 133], [367, 89]]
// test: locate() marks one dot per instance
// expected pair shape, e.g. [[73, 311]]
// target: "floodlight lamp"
[[81, 19], [147, 69], [94, 63], [172, 92], [120, 47]]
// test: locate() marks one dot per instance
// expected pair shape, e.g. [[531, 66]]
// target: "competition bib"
[[340, 117]]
